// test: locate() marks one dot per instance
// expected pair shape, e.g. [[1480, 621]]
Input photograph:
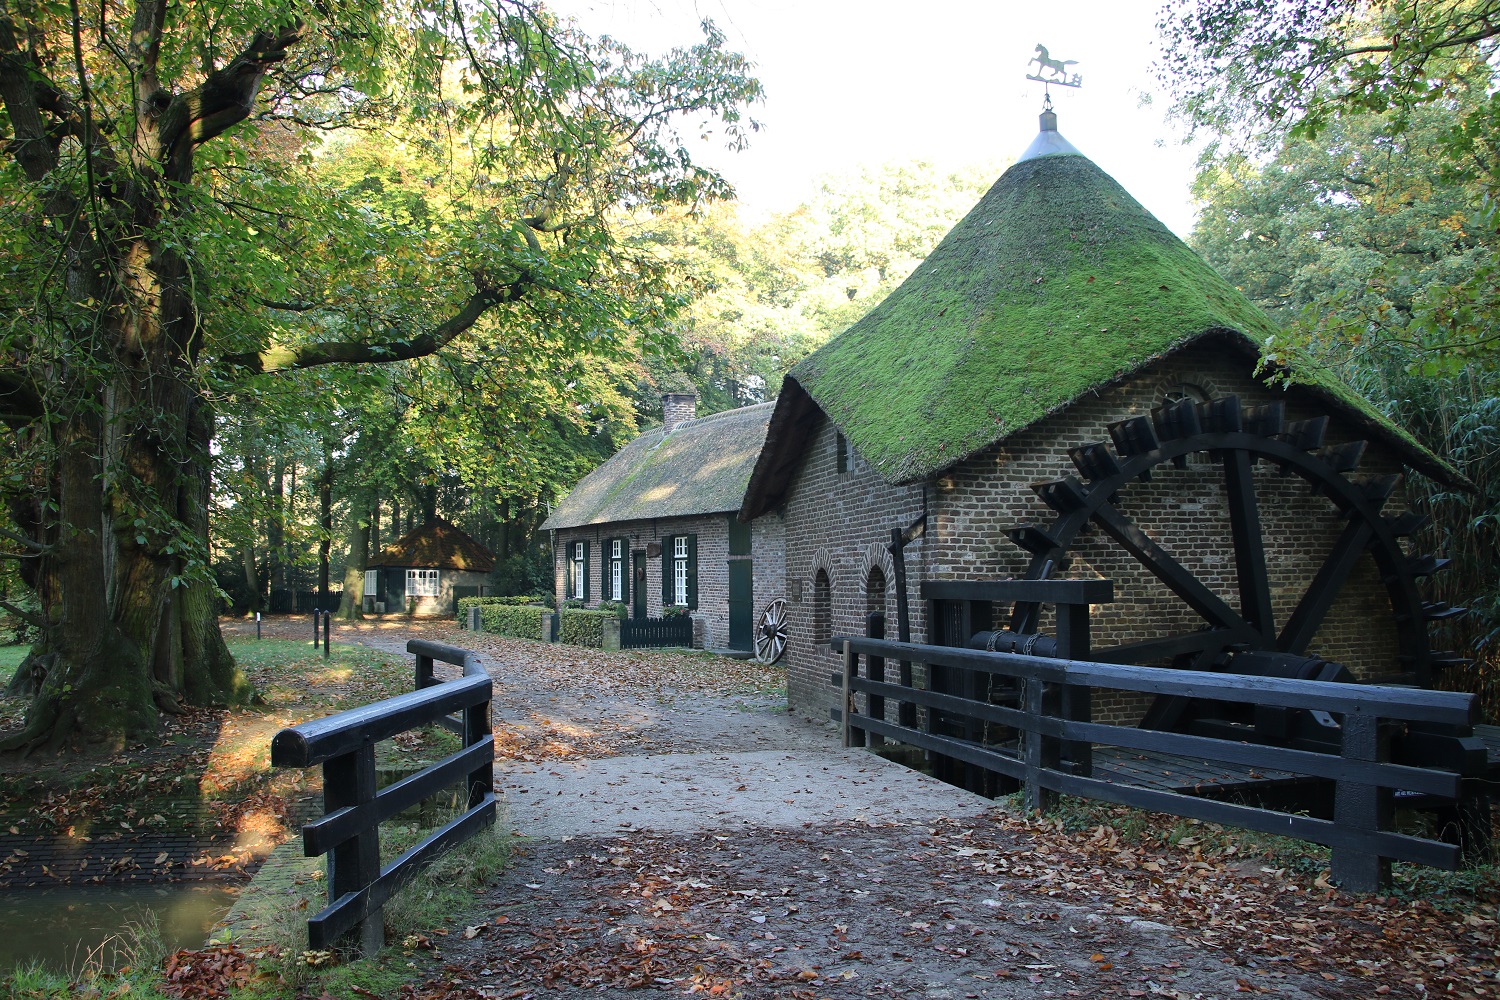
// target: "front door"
[[741, 604], [638, 582]]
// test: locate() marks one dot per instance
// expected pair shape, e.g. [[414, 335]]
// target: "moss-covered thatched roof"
[[701, 467], [1057, 283], [438, 544]]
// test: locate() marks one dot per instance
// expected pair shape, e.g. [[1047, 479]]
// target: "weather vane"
[[1056, 70]]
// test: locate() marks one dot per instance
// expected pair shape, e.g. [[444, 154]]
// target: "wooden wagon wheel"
[[770, 633], [1235, 439]]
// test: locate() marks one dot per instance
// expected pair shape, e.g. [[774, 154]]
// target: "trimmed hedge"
[[503, 619], [465, 603], [584, 628]]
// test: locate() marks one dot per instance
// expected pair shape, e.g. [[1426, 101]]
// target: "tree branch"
[[223, 100], [26, 616], [281, 358]]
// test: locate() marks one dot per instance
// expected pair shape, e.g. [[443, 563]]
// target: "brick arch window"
[[822, 616], [875, 591]]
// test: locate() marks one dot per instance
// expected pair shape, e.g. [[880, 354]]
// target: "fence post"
[[1362, 807], [875, 670], [476, 727], [349, 780], [1041, 752], [852, 737], [1077, 699], [424, 673], [476, 620]]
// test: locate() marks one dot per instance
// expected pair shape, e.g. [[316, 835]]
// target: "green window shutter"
[[585, 572], [739, 536], [666, 570], [692, 574]]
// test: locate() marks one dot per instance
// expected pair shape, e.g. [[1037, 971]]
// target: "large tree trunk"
[[351, 605], [276, 537]]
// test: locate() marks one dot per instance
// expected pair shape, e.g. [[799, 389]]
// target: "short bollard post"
[[257, 624], [327, 631], [315, 628]]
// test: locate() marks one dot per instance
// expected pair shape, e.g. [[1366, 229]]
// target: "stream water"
[[69, 929]]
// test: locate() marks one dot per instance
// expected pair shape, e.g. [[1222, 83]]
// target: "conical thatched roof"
[[1057, 282]]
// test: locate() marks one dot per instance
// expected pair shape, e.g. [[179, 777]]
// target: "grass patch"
[[440, 901], [10, 659]]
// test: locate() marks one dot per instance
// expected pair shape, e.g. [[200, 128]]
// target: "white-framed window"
[[680, 570], [617, 570], [580, 560], [372, 580], [421, 583]]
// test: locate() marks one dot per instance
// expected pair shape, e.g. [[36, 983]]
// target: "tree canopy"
[[202, 200]]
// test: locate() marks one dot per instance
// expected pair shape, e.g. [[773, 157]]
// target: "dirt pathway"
[[683, 834]]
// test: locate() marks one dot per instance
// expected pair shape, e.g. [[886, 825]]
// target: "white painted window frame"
[[422, 583], [680, 570]]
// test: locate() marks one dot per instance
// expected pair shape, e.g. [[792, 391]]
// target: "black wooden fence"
[[358, 886], [654, 633], [1053, 754]]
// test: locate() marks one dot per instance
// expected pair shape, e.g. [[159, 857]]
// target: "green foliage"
[[581, 627], [767, 294], [675, 611], [531, 600], [439, 188], [1381, 272], [619, 609], [521, 622]]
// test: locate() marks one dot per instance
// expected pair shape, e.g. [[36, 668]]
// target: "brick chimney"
[[677, 407]]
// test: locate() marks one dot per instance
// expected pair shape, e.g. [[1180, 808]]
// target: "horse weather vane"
[[1050, 71]]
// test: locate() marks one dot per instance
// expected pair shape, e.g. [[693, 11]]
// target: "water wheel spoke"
[[1165, 647], [1169, 571], [1316, 601], [1249, 548]]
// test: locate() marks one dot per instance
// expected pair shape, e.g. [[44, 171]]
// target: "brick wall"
[[833, 518], [840, 523], [767, 548]]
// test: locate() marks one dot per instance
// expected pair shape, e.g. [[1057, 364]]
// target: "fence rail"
[[650, 633], [348, 832], [1056, 739]]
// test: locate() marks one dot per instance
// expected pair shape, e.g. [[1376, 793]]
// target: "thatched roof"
[[438, 544], [1056, 284], [701, 467]]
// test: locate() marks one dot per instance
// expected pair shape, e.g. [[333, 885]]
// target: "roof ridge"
[[732, 411]]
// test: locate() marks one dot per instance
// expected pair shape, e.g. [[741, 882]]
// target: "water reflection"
[[67, 928]]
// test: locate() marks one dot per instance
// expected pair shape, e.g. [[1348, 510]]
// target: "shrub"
[[674, 611], [502, 619], [616, 608], [574, 603], [525, 600], [584, 628]]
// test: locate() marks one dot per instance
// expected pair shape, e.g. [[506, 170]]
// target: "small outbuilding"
[[427, 570], [657, 525]]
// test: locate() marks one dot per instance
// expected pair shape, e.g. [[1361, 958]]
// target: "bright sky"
[[850, 83]]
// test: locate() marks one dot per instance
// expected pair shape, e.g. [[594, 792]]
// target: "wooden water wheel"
[[1234, 439]]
